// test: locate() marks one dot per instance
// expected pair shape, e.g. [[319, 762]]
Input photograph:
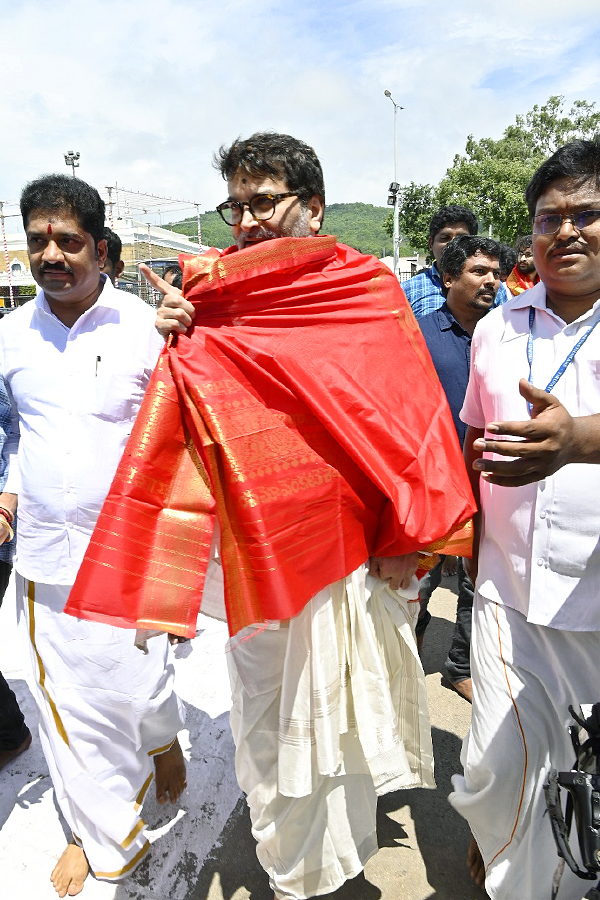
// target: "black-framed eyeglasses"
[[261, 206], [550, 223]]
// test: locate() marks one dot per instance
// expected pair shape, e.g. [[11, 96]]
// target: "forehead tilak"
[[49, 219]]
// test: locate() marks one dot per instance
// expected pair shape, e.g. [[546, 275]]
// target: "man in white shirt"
[[534, 397], [76, 361]]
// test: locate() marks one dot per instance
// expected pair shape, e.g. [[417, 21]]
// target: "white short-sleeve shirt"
[[540, 550], [75, 392]]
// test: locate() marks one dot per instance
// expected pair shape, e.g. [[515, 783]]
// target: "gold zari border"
[[42, 680]]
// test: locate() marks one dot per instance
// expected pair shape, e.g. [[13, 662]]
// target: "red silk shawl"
[[302, 408]]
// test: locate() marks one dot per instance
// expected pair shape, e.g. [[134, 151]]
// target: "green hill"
[[358, 224], [215, 233]]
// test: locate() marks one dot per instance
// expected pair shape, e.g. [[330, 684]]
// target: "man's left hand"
[[397, 570], [545, 442]]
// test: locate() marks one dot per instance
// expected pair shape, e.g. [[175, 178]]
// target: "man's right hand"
[[5, 534], [8, 502], [175, 313], [396, 570]]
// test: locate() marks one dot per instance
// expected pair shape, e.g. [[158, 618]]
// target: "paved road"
[[203, 849]]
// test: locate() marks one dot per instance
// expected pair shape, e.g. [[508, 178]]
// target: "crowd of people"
[[298, 445], [448, 298]]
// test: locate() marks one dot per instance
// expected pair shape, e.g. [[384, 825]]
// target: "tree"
[[492, 175], [417, 205], [494, 188], [549, 129]]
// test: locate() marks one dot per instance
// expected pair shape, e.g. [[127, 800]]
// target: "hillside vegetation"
[[361, 225]]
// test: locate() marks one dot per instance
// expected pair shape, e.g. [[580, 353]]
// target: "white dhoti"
[[329, 710], [524, 678], [105, 709]]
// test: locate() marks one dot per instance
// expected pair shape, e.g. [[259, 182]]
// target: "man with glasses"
[[315, 455], [523, 276], [533, 448]]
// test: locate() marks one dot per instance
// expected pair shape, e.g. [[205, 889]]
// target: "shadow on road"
[[442, 835], [25, 780], [234, 863], [442, 839]]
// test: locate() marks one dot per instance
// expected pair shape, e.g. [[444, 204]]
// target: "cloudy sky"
[[146, 91]]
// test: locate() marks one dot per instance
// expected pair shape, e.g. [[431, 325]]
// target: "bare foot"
[[7, 755], [177, 639], [170, 774], [475, 864], [70, 871]]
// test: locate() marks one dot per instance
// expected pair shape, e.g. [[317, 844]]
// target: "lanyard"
[[568, 359]]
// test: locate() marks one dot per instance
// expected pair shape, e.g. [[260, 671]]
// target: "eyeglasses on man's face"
[[261, 206], [550, 223]]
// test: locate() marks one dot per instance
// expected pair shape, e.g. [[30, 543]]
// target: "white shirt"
[[540, 550], [76, 393]]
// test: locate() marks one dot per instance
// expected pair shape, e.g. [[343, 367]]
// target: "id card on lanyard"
[[565, 363]]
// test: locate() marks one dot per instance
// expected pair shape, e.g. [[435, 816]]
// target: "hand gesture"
[[175, 313], [545, 442]]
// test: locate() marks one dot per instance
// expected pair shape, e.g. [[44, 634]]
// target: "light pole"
[[394, 190], [199, 228], [71, 159]]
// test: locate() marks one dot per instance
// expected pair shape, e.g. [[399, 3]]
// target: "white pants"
[[524, 678], [105, 709], [329, 710]]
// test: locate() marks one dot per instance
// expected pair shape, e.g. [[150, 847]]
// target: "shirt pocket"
[[118, 395], [574, 529]]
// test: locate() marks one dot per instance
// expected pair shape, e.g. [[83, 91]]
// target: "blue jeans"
[[458, 664]]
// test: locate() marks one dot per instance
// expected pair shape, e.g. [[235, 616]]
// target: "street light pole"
[[71, 159], [394, 191]]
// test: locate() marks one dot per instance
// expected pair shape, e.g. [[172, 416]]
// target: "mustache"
[[486, 292], [261, 233], [571, 244], [55, 267]]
